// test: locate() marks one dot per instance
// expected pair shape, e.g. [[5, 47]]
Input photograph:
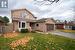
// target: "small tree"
[[6, 19], [1, 18]]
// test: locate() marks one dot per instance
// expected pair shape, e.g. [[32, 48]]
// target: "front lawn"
[[68, 31], [39, 42]]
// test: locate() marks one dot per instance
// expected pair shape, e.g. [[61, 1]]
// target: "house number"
[[3, 3]]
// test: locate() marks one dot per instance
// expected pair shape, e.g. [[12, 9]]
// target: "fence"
[[0, 29], [6, 29]]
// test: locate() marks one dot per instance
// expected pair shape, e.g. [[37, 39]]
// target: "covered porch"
[[26, 25]]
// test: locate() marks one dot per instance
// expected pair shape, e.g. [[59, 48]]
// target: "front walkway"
[[69, 35]]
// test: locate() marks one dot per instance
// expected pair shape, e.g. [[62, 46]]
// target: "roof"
[[44, 19], [23, 19], [71, 24], [59, 23], [50, 20], [23, 9], [34, 21], [41, 20]]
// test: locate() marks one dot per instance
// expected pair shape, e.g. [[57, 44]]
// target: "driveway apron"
[[69, 35]]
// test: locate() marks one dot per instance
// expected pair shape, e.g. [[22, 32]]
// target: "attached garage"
[[45, 25], [50, 27], [73, 27]]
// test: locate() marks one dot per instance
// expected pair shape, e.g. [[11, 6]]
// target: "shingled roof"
[[44, 20], [24, 9], [41, 20]]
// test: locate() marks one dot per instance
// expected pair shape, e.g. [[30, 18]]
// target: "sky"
[[62, 10]]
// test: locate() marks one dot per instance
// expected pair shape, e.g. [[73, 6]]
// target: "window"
[[23, 14], [70, 26], [37, 24], [23, 25]]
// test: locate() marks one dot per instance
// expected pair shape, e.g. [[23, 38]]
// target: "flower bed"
[[22, 41], [10, 35]]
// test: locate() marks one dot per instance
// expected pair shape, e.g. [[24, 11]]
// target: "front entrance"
[[22, 25], [32, 25], [50, 27]]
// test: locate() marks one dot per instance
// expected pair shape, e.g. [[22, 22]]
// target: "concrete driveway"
[[69, 35]]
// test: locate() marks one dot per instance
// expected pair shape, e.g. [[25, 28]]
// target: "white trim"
[[67, 27], [21, 25], [54, 27]]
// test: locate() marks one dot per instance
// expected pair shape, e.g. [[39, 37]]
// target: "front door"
[[32, 25]]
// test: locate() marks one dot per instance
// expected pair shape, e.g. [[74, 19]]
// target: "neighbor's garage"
[[73, 27], [59, 26]]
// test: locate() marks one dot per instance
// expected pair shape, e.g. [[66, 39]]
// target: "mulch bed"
[[10, 35], [22, 41]]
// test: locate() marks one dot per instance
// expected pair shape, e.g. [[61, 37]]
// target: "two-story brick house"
[[24, 19]]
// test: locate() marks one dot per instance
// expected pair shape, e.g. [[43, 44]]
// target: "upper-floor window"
[[24, 14]]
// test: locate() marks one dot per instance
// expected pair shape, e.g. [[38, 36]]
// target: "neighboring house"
[[2, 24], [23, 19], [59, 25], [70, 26], [45, 25]]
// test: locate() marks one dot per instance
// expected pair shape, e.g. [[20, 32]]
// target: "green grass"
[[40, 42], [4, 42]]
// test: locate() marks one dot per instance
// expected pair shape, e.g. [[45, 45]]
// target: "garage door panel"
[[50, 27]]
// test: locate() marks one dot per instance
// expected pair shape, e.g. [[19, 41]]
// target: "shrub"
[[24, 30]]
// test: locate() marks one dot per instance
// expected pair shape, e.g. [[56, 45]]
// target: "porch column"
[[25, 25], [54, 27], [19, 25], [13, 27]]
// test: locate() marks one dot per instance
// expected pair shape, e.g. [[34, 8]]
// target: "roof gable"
[[46, 20], [17, 13]]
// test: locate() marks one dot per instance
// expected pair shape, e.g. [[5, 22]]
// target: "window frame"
[[23, 26], [37, 25]]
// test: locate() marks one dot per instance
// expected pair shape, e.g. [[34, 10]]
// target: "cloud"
[[62, 9]]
